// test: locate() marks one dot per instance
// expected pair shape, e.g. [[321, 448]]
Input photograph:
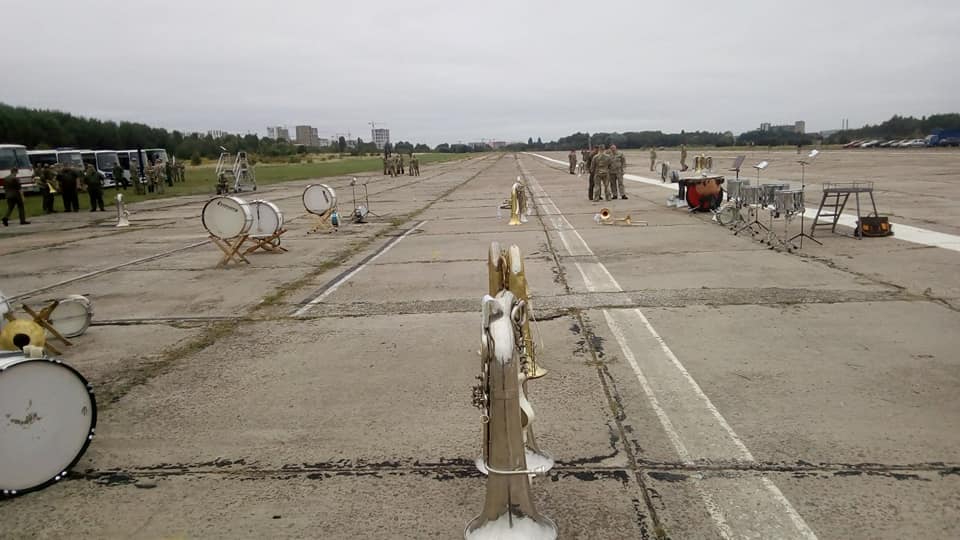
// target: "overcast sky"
[[446, 71]]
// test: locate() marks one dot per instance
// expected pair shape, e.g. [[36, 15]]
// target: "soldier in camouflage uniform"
[[683, 157], [600, 166], [653, 158], [618, 162], [138, 185], [182, 171], [415, 165]]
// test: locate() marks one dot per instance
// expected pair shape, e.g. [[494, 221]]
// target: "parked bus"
[[70, 157], [125, 157], [15, 155], [103, 161]]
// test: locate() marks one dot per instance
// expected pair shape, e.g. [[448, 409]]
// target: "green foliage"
[[195, 159], [293, 159]]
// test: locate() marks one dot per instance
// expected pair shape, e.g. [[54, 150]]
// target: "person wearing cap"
[[46, 188], [118, 177], [601, 172], [572, 159], [617, 164], [91, 179], [67, 178], [11, 186]]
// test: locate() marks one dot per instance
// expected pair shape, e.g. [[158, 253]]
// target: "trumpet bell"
[[20, 333], [605, 215]]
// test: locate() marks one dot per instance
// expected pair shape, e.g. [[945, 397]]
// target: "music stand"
[[755, 212], [737, 163], [803, 188], [361, 212]]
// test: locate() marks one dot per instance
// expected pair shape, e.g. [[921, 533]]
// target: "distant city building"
[[216, 133], [307, 136], [798, 127], [278, 133], [381, 136], [323, 143], [497, 144]]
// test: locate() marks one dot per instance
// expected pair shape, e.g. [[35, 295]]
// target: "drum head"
[[47, 419], [72, 315], [227, 217], [267, 219], [319, 199]]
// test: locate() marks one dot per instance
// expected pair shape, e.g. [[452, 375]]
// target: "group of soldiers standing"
[[606, 167], [393, 165], [69, 180]]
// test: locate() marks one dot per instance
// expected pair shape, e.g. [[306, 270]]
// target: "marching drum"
[[789, 202], [227, 217], [48, 415], [750, 194], [267, 219], [768, 193], [72, 315], [319, 199], [704, 193]]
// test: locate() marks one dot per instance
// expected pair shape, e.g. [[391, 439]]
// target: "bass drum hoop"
[[255, 208], [244, 208], [73, 299], [331, 195], [90, 432]]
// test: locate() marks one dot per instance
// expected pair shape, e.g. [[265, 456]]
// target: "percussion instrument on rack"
[[768, 192], [789, 202], [49, 416], [267, 219], [734, 187], [750, 195], [226, 217], [72, 316]]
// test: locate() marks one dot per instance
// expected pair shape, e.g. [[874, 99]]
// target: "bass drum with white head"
[[319, 199], [72, 315], [48, 415], [227, 217], [267, 219]]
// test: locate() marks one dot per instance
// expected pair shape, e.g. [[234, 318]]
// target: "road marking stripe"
[[907, 233], [756, 507], [328, 290]]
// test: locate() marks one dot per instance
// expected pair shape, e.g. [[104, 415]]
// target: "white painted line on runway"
[[336, 285], [739, 507], [907, 233]]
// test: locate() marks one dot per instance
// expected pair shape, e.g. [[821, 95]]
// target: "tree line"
[[53, 129]]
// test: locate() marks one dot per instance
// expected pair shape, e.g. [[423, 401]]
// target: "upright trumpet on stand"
[[122, 213]]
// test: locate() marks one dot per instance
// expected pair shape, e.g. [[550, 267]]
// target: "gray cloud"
[[438, 71]]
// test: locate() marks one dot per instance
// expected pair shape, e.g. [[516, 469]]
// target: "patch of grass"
[[202, 180]]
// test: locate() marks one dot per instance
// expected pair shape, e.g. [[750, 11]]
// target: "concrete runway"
[[701, 385]]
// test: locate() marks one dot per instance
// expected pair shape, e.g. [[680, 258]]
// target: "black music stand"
[[803, 188]]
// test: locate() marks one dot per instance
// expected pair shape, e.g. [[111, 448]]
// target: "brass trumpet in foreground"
[[509, 457]]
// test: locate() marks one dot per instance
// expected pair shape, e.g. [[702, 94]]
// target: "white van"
[[15, 155], [103, 161]]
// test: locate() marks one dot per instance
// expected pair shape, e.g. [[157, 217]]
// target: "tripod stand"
[[803, 188]]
